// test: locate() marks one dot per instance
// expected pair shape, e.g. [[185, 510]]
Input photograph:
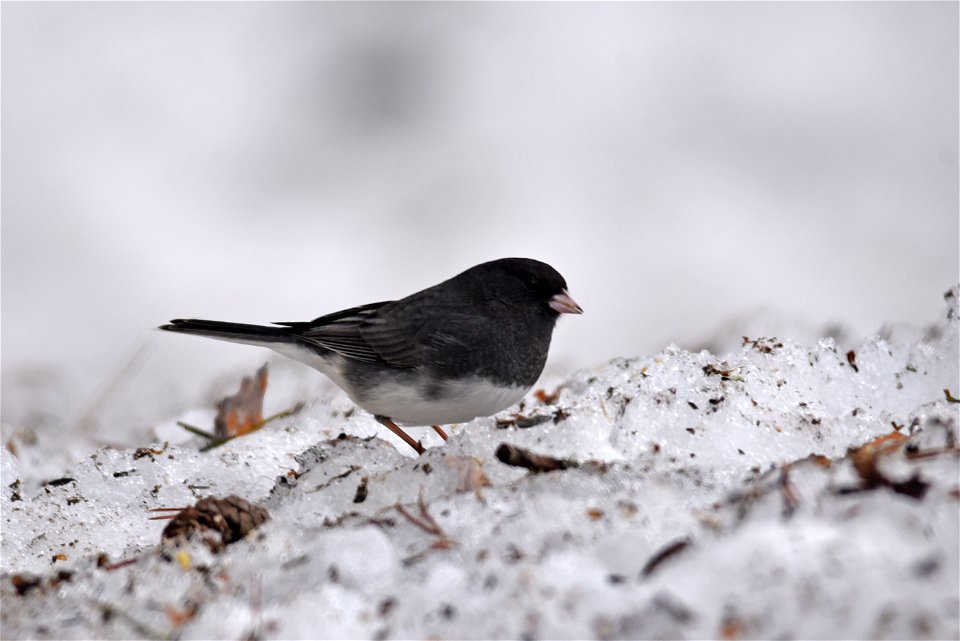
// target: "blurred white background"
[[681, 164]]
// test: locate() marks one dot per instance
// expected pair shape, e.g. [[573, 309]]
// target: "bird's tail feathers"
[[235, 332]]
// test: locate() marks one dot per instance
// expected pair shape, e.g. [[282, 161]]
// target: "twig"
[[216, 441], [142, 629], [911, 456], [148, 451], [110, 567], [663, 554], [342, 475], [428, 524], [285, 413], [197, 431], [790, 498], [173, 513], [110, 385], [520, 457]]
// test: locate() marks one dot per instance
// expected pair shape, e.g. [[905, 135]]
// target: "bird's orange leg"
[[406, 438], [439, 430]]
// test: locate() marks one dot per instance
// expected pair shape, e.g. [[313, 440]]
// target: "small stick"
[[932, 453], [790, 499], [172, 510], [519, 457], [142, 629], [110, 567], [285, 413], [666, 552], [421, 504], [109, 386], [216, 441], [197, 431], [426, 521], [428, 524]]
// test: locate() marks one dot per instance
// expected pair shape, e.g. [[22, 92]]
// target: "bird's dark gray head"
[[521, 281]]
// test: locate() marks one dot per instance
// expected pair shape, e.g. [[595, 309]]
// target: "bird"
[[471, 346]]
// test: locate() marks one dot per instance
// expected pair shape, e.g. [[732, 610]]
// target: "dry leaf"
[[865, 461], [242, 413], [732, 627], [864, 458], [548, 398], [470, 475], [180, 617], [24, 583]]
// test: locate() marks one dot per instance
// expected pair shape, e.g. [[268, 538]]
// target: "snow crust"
[[698, 510]]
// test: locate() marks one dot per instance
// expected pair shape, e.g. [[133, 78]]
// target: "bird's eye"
[[530, 285]]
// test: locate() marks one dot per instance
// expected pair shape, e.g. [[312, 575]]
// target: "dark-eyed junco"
[[470, 346]]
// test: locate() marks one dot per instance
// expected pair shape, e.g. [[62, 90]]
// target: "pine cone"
[[231, 517]]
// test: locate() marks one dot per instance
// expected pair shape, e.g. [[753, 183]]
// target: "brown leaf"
[[150, 451], [732, 627], [821, 460], [180, 617], [865, 457], [242, 413], [548, 398], [24, 583], [865, 461], [852, 360], [62, 576], [470, 475]]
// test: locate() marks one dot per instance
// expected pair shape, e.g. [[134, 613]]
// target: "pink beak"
[[563, 304]]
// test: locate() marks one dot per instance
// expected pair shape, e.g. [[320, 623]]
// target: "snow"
[[710, 454]]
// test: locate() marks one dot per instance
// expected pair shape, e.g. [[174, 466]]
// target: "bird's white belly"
[[459, 402]]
